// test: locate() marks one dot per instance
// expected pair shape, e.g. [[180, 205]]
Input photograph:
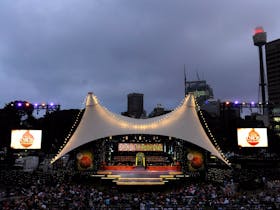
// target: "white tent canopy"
[[97, 122]]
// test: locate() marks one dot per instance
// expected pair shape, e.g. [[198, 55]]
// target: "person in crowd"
[[59, 190]]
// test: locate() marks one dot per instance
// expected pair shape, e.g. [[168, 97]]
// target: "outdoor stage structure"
[[149, 151]]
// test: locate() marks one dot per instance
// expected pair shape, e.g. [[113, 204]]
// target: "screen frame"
[[17, 134], [242, 137]]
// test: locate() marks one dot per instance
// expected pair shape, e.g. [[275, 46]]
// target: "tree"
[[20, 113], [15, 115], [56, 126]]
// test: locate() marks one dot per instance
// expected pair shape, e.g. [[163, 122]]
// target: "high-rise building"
[[135, 105], [159, 110], [201, 90], [273, 70], [273, 81]]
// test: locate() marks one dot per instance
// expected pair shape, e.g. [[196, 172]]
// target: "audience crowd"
[[60, 189]]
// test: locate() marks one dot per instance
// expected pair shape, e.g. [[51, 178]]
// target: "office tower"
[[135, 105], [159, 110], [273, 80], [273, 70], [201, 90]]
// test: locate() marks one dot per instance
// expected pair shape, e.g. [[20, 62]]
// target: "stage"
[[138, 175]]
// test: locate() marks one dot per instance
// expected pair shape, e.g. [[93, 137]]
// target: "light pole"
[[260, 40]]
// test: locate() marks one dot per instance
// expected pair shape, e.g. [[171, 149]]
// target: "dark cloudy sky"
[[58, 50]]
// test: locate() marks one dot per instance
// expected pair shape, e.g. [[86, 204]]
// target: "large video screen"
[[26, 139], [252, 137]]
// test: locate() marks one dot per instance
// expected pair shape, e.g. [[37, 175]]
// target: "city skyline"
[[58, 51]]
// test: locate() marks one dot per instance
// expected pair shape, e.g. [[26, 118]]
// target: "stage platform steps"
[[140, 176], [139, 181]]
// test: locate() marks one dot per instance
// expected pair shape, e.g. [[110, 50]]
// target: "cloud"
[[60, 50]]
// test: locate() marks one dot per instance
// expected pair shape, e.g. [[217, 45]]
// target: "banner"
[[132, 147]]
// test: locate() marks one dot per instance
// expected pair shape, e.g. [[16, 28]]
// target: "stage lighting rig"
[[48, 107], [24, 105]]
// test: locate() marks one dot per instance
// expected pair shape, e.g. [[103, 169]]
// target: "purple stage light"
[[19, 104], [236, 102]]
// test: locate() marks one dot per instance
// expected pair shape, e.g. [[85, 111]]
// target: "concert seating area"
[[59, 190]]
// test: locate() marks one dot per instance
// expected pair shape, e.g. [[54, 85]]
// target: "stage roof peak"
[[97, 122]]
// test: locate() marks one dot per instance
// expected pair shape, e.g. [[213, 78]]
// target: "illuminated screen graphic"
[[85, 160], [131, 147], [195, 160], [26, 139], [252, 137]]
